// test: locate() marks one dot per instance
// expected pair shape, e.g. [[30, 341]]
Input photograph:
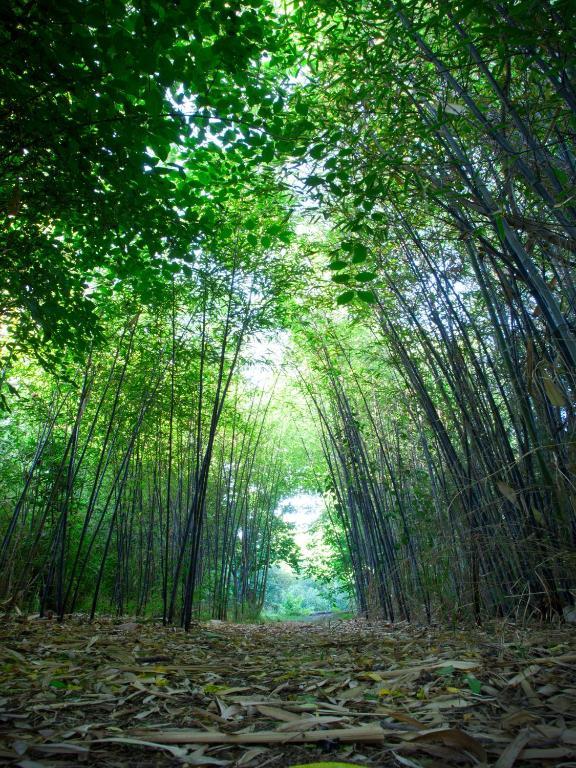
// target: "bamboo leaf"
[[553, 391], [507, 491]]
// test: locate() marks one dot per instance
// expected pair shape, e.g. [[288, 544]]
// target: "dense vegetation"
[[381, 193]]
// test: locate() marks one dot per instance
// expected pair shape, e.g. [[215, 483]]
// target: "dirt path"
[[314, 618], [120, 694]]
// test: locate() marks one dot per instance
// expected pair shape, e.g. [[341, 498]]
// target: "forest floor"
[[121, 693]]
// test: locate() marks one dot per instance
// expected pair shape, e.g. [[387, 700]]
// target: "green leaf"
[[474, 684], [500, 227], [360, 253], [346, 297], [341, 279], [268, 153], [162, 151], [446, 671], [337, 264], [367, 296], [57, 684], [365, 277]]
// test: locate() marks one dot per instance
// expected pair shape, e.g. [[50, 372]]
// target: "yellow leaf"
[[160, 681], [286, 676], [211, 688], [370, 676], [451, 689]]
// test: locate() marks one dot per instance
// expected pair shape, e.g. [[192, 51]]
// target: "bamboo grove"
[[147, 484], [388, 188], [453, 178]]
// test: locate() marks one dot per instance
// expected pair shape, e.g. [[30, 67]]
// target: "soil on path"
[[122, 693], [327, 616]]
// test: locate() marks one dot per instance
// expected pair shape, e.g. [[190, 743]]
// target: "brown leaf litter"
[[115, 693]]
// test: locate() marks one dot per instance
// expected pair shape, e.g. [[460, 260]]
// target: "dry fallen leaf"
[[102, 693]]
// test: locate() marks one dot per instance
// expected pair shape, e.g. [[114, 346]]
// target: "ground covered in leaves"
[[118, 693]]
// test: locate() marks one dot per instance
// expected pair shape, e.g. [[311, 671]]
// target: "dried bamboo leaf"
[[276, 713], [64, 748], [184, 736], [307, 723], [553, 392], [251, 755], [452, 737], [507, 491], [513, 750]]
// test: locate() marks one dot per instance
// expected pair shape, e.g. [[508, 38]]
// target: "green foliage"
[[284, 549], [290, 595], [125, 130]]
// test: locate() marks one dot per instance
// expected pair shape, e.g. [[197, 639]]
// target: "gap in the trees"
[[307, 592]]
